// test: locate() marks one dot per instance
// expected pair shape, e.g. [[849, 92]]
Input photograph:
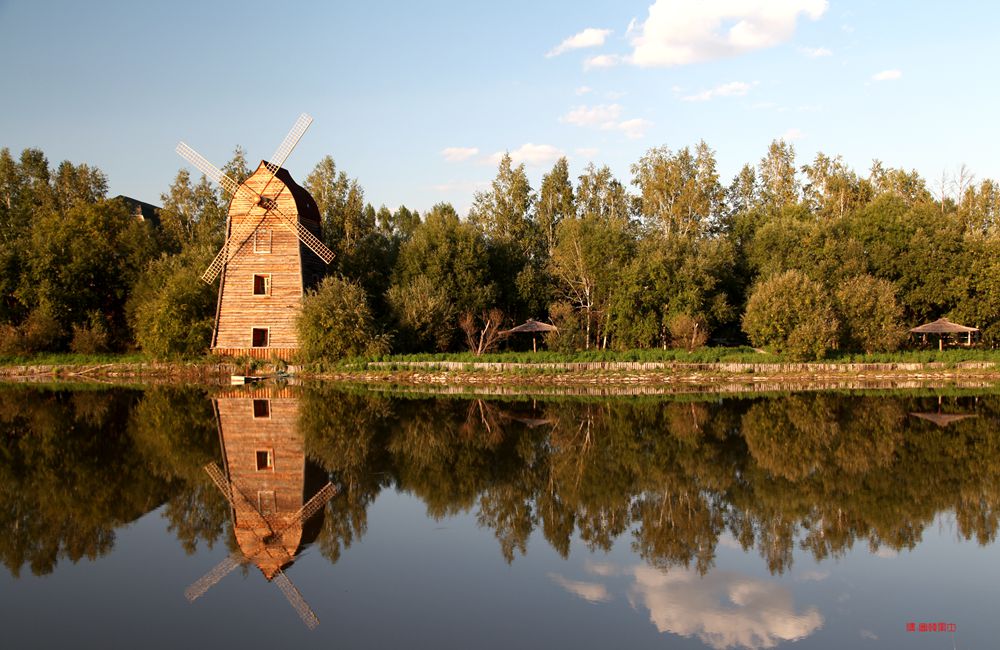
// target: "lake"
[[324, 516]]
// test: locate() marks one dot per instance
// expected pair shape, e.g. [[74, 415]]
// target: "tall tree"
[[592, 248], [679, 192], [779, 185], [555, 202]]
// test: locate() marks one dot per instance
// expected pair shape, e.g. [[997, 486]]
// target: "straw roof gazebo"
[[943, 327], [533, 327]]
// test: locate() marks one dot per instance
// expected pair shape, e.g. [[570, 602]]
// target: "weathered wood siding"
[[243, 435], [290, 265]]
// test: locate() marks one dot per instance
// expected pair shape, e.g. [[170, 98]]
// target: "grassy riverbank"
[[636, 372]]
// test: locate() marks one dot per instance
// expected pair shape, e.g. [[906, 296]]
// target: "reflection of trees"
[[69, 475], [819, 472], [175, 431]]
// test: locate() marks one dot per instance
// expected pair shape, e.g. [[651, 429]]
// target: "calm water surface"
[[321, 517]]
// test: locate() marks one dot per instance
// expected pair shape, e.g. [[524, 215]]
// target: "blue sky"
[[417, 99]]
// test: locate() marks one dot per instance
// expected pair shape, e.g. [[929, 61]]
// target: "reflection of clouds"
[[723, 609], [868, 634], [813, 576], [605, 569], [589, 591]]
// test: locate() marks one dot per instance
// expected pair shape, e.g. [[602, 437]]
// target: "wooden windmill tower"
[[271, 256], [266, 482]]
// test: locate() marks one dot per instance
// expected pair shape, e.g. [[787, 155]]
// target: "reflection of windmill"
[[271, 255], [265, 486]]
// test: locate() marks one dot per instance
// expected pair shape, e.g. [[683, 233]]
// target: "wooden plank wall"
[[239, 310]]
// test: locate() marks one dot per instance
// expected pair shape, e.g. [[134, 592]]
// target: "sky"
[[417, 100]]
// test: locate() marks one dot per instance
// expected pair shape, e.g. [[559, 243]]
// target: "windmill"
[[266, 480], [272, 254]]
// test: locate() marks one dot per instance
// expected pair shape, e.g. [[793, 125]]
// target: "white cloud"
[[598, 115], [583, 90], [679, 32], [530, 154], [868, 634], [634, 128], [607, 118], [792, 134], [593, 592], [602, 61], [731, 89], [887, 75], [590, 37], [587, 152], [815, 52], [458, 154], [722, 609]]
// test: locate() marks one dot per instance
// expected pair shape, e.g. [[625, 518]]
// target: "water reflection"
[[275, 495], [779, 477], [723, 609]]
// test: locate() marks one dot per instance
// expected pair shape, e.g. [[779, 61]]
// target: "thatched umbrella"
[[534, 327], [944, 326]]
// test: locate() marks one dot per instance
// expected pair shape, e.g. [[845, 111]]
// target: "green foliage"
[[870, 315], [90, 337], [452, 255], [337, 322], [424, 315], [171, 311], [791, 314]]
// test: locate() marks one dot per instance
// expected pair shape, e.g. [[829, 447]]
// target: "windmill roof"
[[943, 326]]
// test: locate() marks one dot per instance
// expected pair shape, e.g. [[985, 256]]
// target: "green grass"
[[71, 359], [741, 354]]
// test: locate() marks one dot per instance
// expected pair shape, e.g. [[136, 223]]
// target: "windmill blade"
[[239, 502], [231, 246], [220, 481], [209, 170], [312, 506], [296, 600], [286, 146], [306, 237], [229, 564]]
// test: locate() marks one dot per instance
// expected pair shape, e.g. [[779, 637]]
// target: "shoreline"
[[591, 378]]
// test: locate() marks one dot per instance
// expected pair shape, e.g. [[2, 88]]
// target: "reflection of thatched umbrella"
[[534, 327], [944, 326], [943, 419]]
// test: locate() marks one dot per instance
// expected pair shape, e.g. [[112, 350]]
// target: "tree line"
[[802, 259]]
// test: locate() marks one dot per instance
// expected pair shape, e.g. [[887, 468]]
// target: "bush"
[[687, 332], [423, 313], [570, 336], [791, 314], [337, 322], [870, 315], [41, 332], [172, 312], [90, 337]]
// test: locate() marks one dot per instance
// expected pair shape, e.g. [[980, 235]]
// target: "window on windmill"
[[261, 408], [265, 459], [262, 284], [258, 337], [262, 240]]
